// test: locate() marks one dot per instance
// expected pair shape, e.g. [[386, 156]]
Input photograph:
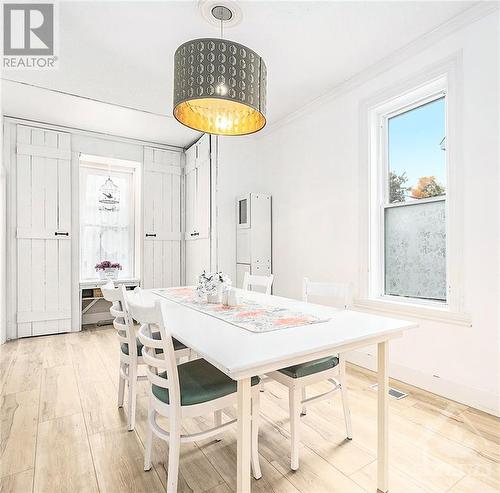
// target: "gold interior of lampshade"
[[219, 116]]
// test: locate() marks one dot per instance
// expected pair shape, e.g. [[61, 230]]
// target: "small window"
[[413, 234], [243, 212], [107, 212]]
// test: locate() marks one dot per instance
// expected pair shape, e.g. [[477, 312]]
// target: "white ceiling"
[[121, 52]]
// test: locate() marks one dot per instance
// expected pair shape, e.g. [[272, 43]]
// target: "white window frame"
[[380, 200], [103, 165], [374, 114]]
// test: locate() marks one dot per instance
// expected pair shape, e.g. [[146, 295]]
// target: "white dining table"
[[241, 354]]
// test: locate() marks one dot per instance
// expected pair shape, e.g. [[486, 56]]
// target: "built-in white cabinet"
[[43, 233], [198, 211], [198, 190], [161, 218], [43, 216], [253, 236]]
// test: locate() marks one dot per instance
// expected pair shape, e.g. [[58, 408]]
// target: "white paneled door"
[[198, 193], [43, 236], [162, 218]]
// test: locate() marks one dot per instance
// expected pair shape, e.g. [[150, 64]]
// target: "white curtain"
[[106, 235]]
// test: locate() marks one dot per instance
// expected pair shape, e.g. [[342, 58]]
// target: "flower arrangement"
[[106, 264], [213, 285], [108, 269]]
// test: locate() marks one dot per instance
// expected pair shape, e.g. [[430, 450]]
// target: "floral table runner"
[[250, 314]]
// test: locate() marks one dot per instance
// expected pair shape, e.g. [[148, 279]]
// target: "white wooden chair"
[[298, 377], [195, 388], [263, 281], [130, 347]]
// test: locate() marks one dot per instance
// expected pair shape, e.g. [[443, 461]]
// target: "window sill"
[[432, 312], [98, 281]]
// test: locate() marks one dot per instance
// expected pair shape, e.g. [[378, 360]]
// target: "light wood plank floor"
[[62, 432]]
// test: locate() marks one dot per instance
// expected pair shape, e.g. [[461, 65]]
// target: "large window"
[[106, 218], [411, 188]]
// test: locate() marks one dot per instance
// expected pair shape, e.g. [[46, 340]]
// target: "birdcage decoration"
[[109, 196]]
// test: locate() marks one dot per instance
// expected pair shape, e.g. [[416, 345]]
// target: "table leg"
[[244, 436], [383, 418]]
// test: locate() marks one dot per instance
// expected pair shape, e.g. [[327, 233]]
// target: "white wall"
[[237, 176], [3, 234], [311, 166], [43, 105]]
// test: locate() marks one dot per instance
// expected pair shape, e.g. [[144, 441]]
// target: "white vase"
[[215, 296], [110, 274]]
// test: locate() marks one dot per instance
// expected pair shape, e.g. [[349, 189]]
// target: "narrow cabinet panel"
[[43, 204], [203, 200], [162, 218], [148, 265], [190, 203], [198, 209]]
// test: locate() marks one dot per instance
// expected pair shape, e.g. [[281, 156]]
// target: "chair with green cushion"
[[192, 389], [130, 358], [331, 368]]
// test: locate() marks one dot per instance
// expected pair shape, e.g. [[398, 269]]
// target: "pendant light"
[[219, 85]]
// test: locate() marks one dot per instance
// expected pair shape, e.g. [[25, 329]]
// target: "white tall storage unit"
[[42, 231], [162, 218], [198, 209], [42, 163], [253, 236]]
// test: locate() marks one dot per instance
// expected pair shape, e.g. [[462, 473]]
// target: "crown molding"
[[469, 16]]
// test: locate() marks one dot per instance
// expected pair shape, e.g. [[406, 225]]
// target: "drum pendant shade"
[[219, 87]]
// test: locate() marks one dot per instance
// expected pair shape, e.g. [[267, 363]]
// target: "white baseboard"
[[478, 399]]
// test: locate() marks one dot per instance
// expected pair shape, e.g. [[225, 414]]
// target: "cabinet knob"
[[152, 235], [57, 233]]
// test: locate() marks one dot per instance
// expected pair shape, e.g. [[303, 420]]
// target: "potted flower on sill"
[[213, 285], [108, 270]]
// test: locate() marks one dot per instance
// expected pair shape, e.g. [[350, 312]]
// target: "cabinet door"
[[162, 218], [198, 209], [203, 200], [197, 259], [198, 190], [43, 204], [190, 203]]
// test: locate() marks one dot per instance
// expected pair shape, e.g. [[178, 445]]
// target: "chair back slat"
[[338, 293], [152, 316], [155, 361], [116, 310], [262, 281], [122, 321], [155, 379], [110, 292], [122, 330]]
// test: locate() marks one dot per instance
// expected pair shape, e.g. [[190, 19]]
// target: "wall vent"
[[397, 394]]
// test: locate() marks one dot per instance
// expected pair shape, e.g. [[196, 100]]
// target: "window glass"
[[107, 232], [414, 228], [416, 153], [243, 211], [415, 250]]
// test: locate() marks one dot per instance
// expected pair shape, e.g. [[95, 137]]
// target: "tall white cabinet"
[[253, 236], [198, 229], [43, 202], [43, 233], [161, 258]]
